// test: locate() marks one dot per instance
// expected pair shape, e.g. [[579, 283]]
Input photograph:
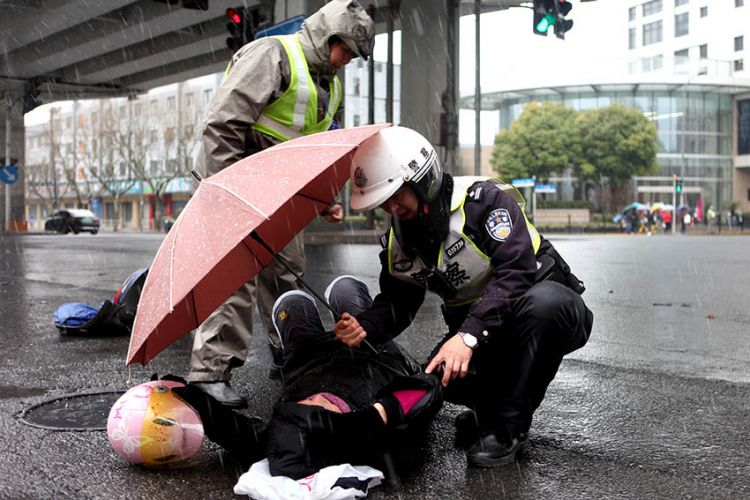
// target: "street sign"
[[9, 175], [286, 27], [527, 182], [545, 188]]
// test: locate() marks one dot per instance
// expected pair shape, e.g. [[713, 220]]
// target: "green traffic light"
[[544, 24]]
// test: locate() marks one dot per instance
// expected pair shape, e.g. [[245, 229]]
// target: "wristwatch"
[[469, 340]]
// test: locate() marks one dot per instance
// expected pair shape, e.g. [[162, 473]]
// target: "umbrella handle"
[[257, 238]]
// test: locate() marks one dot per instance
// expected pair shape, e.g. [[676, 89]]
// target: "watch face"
[[470, 340]]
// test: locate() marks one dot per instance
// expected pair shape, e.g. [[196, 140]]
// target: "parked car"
[[72, 219]]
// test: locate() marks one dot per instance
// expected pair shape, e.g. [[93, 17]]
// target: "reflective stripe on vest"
[[295, 112], [463, 264]]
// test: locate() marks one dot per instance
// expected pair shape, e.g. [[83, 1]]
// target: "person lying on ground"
[[338, 405]]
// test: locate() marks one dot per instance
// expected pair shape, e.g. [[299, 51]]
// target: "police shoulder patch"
[[499, 225]]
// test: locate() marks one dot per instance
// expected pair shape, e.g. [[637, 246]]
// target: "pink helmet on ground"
[[151, 425]]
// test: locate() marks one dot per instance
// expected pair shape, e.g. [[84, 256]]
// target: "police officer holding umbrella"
[[512, 306], [275, 89]]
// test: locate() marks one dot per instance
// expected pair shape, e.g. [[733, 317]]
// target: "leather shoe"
[[493, 450], [222, 392]]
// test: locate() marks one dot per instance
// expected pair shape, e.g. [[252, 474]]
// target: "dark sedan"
[[72, 219]]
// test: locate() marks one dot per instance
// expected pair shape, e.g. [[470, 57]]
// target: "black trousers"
[[314, 360], [509, 374]]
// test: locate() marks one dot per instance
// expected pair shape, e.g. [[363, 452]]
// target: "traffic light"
[[562, 8], [236, 28], [544, 16], [678, 185], [551, 14]]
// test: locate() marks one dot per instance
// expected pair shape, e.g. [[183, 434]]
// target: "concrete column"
[[425, 60], [10, 112]]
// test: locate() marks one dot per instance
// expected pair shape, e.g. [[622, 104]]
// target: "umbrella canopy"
[[664, 207], [213, 247], [637, 206]]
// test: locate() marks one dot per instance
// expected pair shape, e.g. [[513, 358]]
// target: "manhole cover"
[[77, 412]]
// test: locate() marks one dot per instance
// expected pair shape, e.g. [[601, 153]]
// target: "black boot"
[[223, 393], [498, 448]]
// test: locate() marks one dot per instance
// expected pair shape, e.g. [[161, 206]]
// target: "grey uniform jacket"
[[259, 73]]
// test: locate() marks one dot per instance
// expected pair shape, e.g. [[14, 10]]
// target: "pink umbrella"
[[234, 224]]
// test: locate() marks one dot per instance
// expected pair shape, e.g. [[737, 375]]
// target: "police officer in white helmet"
[[512, 306]]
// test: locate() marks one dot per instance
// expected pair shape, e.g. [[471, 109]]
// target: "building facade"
[[129, 160], [682, 63]]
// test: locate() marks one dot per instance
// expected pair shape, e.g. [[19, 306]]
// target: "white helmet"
[[383, 163]]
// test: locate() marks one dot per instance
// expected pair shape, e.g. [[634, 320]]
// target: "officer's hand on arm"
[[334, 213], [349, 331], [456, 356]]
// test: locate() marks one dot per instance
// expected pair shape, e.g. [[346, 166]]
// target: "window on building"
[[651, 7], [378, 67], [680, 56], [677, 3], [95, 118], [658, 62], [646, 64], [703, 51], [652, 33], [137, 109], [355, 120], [206, 96], [170, 134], [739, 65], [69, 119], [739, 43], [631, 14], [743, 128], [356, 86], [171, 165], [123, 169], [704, 11], [739, 3], [189, 100], [153, 105], [153, 168], [631, 38], [188, 132], [681, 24], [153, 136], [123, 112], [170, 103]]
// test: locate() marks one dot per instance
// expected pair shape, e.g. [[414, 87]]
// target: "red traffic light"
[[234, 16]]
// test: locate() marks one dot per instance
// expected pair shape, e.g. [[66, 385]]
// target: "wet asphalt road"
[[656, 405]]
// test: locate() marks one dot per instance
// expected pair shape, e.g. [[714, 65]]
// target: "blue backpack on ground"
[[113, 317]]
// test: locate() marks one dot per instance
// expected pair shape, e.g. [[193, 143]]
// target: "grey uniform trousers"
[[222, 341]]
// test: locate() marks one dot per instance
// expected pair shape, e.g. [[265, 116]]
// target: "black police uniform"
[[528, 317]]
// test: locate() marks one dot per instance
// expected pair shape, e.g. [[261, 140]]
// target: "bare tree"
[[101, 160], [156, 159]]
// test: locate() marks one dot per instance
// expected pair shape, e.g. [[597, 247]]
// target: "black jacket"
[[513, 273]]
